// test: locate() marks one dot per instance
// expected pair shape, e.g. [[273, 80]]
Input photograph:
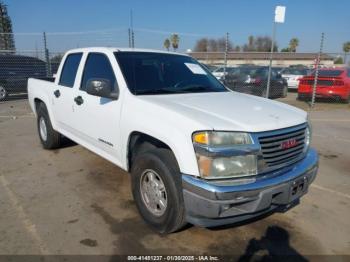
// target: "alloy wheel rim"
[[43, 129], [2, 92], [153, 192]]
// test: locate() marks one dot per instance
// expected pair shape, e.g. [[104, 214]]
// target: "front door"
[[97, 117]]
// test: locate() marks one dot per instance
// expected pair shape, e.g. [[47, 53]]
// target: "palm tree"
[[346, 49], [293, 44], [175, 39], [166, 44]]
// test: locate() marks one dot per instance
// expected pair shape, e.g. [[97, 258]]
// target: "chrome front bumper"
[[214, 203]]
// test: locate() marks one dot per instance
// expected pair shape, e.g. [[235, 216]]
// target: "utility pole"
[[129, 34], [47, 57], [225, 61], [270, 63], [316, 72], [131, 31]]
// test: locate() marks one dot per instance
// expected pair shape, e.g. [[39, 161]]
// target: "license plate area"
[[298, 188]]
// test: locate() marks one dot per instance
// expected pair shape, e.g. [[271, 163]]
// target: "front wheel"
[[3, 93], [157, 190]]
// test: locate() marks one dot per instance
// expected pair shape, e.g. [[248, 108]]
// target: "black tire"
[[163, 162], [3, 93], [346, 100], [301, 98], [53, 138], [285, 92]]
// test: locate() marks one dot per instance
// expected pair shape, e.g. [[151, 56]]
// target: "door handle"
[[57, 93], [78, 100]]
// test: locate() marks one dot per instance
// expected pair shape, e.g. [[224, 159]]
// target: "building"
[[262, 58], [6, 37]]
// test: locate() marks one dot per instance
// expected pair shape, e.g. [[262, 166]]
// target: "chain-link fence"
[[17, 67], [292, 75]]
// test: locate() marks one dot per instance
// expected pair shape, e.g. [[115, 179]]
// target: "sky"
[[79, 23]]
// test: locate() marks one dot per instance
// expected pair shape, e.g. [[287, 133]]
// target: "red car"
[[332, 83]]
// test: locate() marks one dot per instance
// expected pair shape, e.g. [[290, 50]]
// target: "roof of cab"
[[116, 49]]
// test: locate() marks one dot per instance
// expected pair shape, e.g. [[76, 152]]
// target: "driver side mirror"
[[101, 87]]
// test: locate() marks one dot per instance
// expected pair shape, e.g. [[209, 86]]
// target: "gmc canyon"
[[197, 152]]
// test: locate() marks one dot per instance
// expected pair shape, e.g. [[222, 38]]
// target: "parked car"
[[331, 83], [15, 71], [211, 68], [253, 80], [197, 152], [221, 71], [293, 75]]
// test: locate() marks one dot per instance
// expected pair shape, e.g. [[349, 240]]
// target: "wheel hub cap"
[[153, 192], [43, 130], [2, 92]]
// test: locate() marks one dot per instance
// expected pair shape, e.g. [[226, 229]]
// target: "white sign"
[[196, 69], [280, 12]]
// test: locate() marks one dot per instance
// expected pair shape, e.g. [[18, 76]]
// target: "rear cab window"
[[69, 70]]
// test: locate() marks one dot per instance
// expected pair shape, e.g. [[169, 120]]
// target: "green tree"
[[259, 44], [213, 45], [346, 50], [339, 61], [166, 44], [285, 50], [293, 44], [175, 40], [202, 45], [7, 41]]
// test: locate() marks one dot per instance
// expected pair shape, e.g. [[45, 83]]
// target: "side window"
[[70, 69], [97, 66], [348, 72]]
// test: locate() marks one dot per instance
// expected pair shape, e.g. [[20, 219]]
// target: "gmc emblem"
[[289, 143]]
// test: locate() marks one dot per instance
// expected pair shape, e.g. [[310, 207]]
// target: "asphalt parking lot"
[[71, 201]]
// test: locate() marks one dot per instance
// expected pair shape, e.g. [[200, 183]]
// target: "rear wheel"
[[157, 190], [347, 100], [285, 92], [49, 138], [3, 93]]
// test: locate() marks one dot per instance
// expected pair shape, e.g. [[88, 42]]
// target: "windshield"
[[157, 73], [294, 71], [263, 72], [329, 73]]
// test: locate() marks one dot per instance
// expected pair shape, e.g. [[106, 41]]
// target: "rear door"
[[63, 95], [97, 118]]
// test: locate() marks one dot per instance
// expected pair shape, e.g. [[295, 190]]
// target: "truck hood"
[[231, 111]]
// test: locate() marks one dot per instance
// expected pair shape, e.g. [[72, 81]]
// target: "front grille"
[[282, 148]]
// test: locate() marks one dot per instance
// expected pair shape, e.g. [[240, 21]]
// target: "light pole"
[[279, 18]]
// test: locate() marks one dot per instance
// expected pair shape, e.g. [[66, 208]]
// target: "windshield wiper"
[[194, 88], [153, 91], [172, 90]]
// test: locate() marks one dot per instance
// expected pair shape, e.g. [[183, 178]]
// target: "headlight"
[[226, 167], [221, 139], [212, 166], [308, 133]]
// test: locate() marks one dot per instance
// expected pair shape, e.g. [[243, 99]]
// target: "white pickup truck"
[[197, 152]]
